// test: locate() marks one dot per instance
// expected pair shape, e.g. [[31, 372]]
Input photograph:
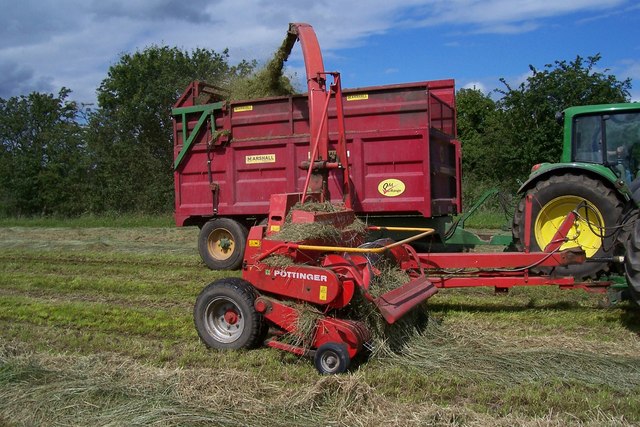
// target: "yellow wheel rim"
[[581, 234], [221, 244]]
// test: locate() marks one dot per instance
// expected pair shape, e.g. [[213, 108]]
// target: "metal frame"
[[188, 137]]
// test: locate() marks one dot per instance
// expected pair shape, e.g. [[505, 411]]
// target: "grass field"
[[96, 329]]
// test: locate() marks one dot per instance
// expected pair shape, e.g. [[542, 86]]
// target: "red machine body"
[[402, 153], [328, 277]]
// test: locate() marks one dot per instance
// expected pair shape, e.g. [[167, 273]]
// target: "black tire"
[[332, 358], [225, 317], [632, 264], [555, 197], [221, 243]]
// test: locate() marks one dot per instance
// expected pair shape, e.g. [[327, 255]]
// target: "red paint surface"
[[404, 132]]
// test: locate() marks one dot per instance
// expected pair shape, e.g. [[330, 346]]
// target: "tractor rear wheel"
[[221, 243], [225, 317], [553, 199], [632, 264]]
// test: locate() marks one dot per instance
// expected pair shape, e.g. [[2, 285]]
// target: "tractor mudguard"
[[595, 171]]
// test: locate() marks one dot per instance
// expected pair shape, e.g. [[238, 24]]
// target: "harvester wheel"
[[221, 243], [332, 358], [632, 264], [552, 200], [225, 317]]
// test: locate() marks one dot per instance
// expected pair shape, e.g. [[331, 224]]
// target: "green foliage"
[[480, 130], [118, 158], [501, 140], [130, 136], [42, 156], [534, 134]]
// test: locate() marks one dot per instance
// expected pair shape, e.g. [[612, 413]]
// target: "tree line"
[[502, 139], [60, 158]]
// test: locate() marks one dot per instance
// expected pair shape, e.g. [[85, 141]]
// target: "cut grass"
[[105, 336], [85, 221]]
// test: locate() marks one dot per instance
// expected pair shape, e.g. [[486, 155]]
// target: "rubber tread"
[[597, 193], [238, 232], [243, 296]]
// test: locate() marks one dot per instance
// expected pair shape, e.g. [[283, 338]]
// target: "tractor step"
[[396, 303]]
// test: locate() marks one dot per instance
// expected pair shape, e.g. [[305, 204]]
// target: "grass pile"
[[387, 339], [97, 390], [328, 233], [278, 261], [315, 207], [309, 231], [306, 325]]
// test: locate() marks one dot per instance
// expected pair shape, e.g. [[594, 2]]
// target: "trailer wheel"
[[332, 358], [225, 317], [552, 200], [221, 243]]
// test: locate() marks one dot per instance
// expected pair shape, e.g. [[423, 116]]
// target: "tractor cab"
[[606, 136]]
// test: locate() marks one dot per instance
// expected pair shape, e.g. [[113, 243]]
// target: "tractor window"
[[587, 138], [622, 131]]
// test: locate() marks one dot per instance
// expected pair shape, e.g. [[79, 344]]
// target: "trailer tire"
[[221, 243], [332, 358], [225, 317], [552, 199]]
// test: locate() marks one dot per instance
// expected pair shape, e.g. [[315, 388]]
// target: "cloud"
[[500, 16], [49, 44], [18, 80], [609, 14], [192, 11], [629, 68], [28, 22], [476, 86]]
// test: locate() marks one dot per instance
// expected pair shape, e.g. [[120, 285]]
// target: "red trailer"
[[402, 157]]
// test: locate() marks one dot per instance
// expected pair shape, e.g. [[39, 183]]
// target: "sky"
[[47, 44]]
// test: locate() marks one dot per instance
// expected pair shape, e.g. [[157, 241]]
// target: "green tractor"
[[598, 178]]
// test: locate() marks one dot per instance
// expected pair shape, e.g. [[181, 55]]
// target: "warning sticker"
[[259, 158], [242, 108], [358, 97], [323, 293]]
